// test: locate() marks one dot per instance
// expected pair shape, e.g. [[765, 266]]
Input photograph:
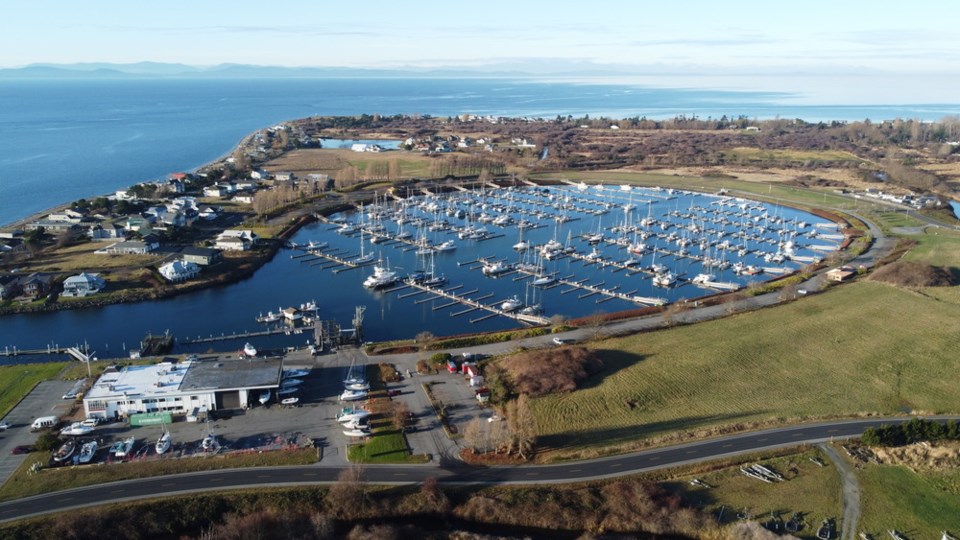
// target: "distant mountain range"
[[527, 68]]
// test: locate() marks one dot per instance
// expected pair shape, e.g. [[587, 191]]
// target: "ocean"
[[65, 140]]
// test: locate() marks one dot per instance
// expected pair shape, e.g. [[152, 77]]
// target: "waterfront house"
[[179, 270], [82, 285], [236, 240], [50, 226], [124, 195], [201, 256], [35, 285]]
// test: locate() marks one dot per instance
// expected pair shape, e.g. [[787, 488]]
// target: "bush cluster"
[[541, 372], [911, 432]]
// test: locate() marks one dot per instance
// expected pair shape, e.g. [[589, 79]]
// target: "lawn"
[[810, 489], [831, 354], [22, 483], [385, 446], [938, 247], [18, 380], [919, 505]]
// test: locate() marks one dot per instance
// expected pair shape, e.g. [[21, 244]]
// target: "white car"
[[562, 341], [4, 425]]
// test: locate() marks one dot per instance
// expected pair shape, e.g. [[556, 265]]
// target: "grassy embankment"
[[22, 483], [918, 504], [810, 489], [832, 354], [16, 381]]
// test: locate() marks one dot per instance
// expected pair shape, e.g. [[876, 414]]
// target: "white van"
[[44, 422]]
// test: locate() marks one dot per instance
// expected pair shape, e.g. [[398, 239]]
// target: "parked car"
[[4, 425], [92, 421], [562, 341], [22, 449]]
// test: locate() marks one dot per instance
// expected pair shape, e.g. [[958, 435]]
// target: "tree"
[[789, 292], [347, 497], [401, 414], [522, 426], [47, 442]]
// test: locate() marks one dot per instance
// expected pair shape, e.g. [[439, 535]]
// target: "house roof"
[[84, 278]]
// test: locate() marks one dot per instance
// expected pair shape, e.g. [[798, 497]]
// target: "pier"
[[475, 304]]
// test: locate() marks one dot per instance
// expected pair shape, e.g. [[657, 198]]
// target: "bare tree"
[[347, 497], [401, 414]]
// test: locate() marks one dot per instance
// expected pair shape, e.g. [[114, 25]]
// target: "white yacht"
[[353, 395], [664, 280], [87, 452], [163, 443], [382, 277], [511, 304], [494, 268], [249, 350]]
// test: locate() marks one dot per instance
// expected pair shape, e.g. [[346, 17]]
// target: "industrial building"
[[182, 388]]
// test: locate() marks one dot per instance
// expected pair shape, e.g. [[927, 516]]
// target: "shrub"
[[913, 274], [541, 372], [440, 358]]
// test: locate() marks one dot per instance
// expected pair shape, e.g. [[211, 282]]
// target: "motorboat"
[[87, 452], [350, 413], [209, 443], [76, 429], [353, 395], [593, 255], [249, 350], [291, 373], [163, 443], [521, 246], [511, 304], [356, 432], [664, 280], [533, 310], [494, 268], [347, 228], [289, 401], [65, 451], [448, 245], [264, 397], [287, 390], [122, 449], [382, 277], [270, 317], [701, 279], [291, 382], [357, 423]]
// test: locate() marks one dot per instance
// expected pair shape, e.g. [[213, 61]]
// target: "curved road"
[[449, 473]]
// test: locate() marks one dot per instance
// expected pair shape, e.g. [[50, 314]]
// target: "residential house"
[[137, 223], [236, 240], [179, 270], [215, 191], [259, 174], [209, 213], [283, 176], [50, 226], [201, 256], [124, 195], [127, 247], [9, 287], [106, 232], [35, 285], [244, 198], [82, 285]]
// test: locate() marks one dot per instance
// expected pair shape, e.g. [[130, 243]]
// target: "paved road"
[[446, 471]]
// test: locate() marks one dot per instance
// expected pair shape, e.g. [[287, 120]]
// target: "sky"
[[874, 39]]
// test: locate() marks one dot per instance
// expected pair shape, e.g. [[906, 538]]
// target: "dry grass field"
[[857, 349], [331, 161], [801, 156], [82, 257]]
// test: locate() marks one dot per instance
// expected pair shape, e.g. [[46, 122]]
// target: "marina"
[[448, 262]]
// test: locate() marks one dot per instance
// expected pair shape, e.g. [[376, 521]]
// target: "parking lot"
[[312, 421]]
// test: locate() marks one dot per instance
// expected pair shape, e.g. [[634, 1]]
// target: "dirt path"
[[851, 493]]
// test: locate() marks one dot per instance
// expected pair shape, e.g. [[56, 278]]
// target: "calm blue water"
[[63, 140], [287, 281], [956, 208]]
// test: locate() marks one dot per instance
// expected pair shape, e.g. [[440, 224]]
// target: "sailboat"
[[432, 279], [209, 442], [163, 443], [364, 257]]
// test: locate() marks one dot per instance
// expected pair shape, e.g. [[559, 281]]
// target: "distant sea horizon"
[[62, 140]]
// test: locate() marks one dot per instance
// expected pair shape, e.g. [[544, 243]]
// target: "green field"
[[809, 489], [919, 505], [17, 381], [938, 247], [831, 354], [385, 446]]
